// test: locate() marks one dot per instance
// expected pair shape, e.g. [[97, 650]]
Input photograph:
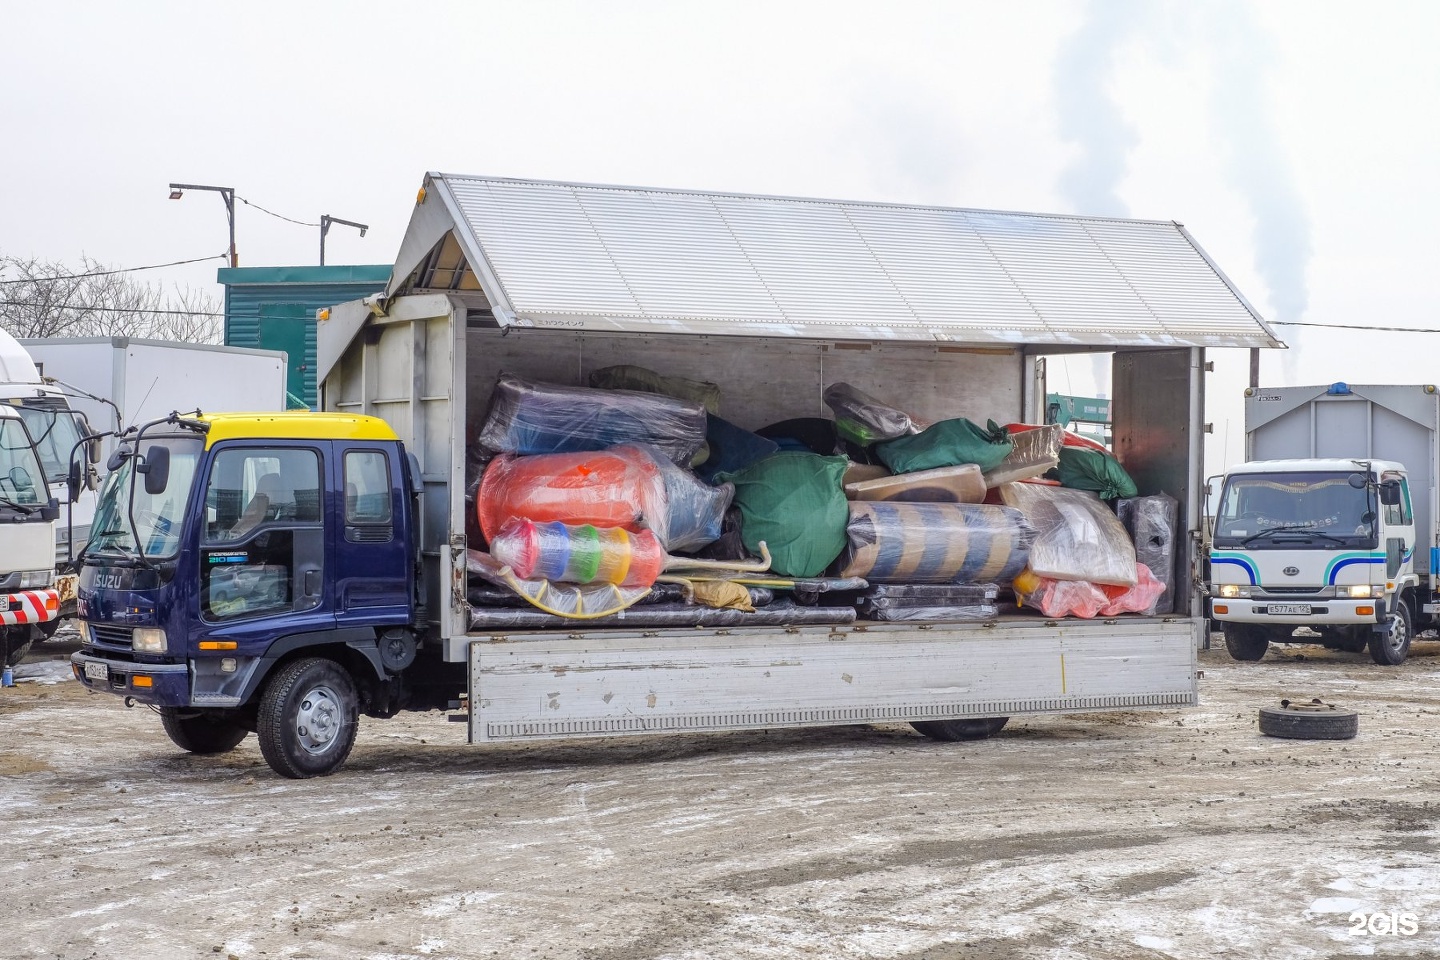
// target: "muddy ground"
[[1177, 833]]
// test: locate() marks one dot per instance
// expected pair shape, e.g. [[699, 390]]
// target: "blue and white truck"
[[1330, 523]]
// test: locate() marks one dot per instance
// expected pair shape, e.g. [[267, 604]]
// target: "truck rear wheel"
[[15, 642], [954, 731], [1389, 649], [1247, 641], [308, 718], [197, 732]]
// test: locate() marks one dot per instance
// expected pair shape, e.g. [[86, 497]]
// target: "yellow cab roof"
[[294, 425]]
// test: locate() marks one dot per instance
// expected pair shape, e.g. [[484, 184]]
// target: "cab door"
[[373, 568], [264, 544]]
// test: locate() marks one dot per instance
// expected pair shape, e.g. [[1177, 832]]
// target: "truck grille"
[[112, 635], [1293, 591]]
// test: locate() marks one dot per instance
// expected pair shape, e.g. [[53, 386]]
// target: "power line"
[[106, 273], [272, 213], [1353, 326], [79, 308]]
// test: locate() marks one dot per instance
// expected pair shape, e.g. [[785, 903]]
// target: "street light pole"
[[325, 222], [228, 195]]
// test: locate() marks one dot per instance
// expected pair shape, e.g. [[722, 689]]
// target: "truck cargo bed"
[[604, 683]]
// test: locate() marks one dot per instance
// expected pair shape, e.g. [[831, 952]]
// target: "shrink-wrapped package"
[[581, 554], [947, 444], [1076, 535], [935, 542], [1036, 450], [532, 418], [962, 484], [1151, 523], [609, 488], [862, 419]]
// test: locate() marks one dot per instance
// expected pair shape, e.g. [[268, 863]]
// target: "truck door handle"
[[312, 583]]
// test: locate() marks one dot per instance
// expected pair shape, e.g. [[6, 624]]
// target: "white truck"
[[58, 431], [1330, 524], [29, 601], [144, 380]]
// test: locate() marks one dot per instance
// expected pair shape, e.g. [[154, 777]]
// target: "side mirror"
[[92, 450], [1357, 480], [1390, 493], [74, 480], [51, 510], [117, 459], [156, 469]]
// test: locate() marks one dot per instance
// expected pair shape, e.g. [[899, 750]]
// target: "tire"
[[308, 717], [204, 732], [15, 642], [1246, 641], [1389, 649], [1309, 721], [955, 731]]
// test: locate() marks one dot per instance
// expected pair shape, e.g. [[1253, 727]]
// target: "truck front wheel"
[[209, 732], [954, 731], [1389, 649], [308, 718], [1246, 641]]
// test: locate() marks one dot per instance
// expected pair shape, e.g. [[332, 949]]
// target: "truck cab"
[[29, 602], [1327, 544], [255, 573]]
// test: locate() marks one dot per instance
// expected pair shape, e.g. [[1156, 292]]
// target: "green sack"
[[948, 443], [1093, 470], [795, 503]]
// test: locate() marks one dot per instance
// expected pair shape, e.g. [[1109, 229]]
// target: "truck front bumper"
[[161, 684], [1300, 613], [29, 606]]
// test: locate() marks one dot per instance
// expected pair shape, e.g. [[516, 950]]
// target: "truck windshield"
[[158, 517], [55, 434], [1288, 511], [22, 484]]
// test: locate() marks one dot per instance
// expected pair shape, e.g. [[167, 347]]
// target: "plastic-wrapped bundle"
[[961, 484], [530, 418], [947, 444], [861, 418], [1140, 598], [935, 542], [1077, 537], [611, 488], [1036, 450], [794, 503], [694, 510], [579, 554], [933, 593], [782, 613], [1095, 470], [1060, 598], [898, 611], [1151, 523]]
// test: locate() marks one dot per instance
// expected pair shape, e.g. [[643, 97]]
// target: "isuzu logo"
[[110, 580], [1292, 571]]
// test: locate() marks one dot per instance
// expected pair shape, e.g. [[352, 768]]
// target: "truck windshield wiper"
[[1294, 528], [24, 508]]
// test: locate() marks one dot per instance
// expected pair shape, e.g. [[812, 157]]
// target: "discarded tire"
[[1311, 720]]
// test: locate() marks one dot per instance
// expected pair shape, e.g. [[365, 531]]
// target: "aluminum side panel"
[[534, 687]]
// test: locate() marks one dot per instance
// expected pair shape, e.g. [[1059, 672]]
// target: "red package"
[[1065, 598], [1140, 598]]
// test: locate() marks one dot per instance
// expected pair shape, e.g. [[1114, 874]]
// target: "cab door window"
[[264, 544], [367, 496]]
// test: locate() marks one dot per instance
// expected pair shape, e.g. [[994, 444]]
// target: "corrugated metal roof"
[[643, 260]]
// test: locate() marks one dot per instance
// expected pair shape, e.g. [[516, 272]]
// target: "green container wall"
[[273, 308]]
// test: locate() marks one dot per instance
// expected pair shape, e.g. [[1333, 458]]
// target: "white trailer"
[[147, 379], [950, 312]]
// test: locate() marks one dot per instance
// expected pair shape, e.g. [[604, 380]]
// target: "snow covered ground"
[[1168, 834]]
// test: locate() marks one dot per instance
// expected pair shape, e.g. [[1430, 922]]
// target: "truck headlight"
[[148, 640], [1363, 591], [87, 636], [1233, 591], [36, 579]]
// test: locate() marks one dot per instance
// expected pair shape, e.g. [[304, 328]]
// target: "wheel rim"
[[318, 719], [1395, 638]]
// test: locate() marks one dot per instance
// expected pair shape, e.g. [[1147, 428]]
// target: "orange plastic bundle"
[[609, 488]]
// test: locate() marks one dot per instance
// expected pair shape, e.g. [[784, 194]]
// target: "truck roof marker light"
[[1338, 389], [420, 196], [139, 680], [322, 314], [1429, 388]]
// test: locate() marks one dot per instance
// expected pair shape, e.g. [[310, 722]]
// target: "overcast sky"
[[1297, 141]]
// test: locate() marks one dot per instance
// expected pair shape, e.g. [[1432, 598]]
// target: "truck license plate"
[[1290, 609], [96, 671]]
